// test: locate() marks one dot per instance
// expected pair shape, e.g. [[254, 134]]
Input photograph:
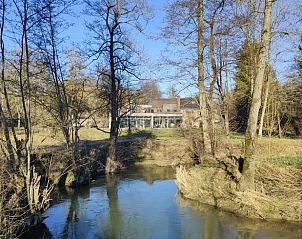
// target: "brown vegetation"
[[278, 192]]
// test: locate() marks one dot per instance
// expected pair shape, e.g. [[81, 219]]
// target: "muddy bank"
[[278, 193]]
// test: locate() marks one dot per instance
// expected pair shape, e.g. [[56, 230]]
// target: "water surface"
[[142, 203]]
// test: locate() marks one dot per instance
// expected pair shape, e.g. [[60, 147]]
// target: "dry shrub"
[[13, 212], [283, 183], [21, 208], [280, 181]]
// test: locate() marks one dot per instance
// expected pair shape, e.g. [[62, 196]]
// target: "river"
[[142, 203]]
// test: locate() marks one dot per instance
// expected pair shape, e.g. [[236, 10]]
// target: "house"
[[163, 113], [160, 113]]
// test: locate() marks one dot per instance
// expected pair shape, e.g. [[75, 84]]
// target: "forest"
[[64, 98]]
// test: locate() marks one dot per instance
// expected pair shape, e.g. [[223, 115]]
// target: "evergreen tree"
[[291, 108], [244, 78]]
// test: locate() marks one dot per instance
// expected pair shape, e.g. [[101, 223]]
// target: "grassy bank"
[[286, 150], [278, 193], [168, 147], [174, 145]]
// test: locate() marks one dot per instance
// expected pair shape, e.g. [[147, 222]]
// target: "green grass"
[[283, 161], [165, 133], [236, 135]]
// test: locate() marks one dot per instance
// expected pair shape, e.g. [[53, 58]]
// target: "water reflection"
[[143, 203], [115, 221], [77, 197], [219, 224]]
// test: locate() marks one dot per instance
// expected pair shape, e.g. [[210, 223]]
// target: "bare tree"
[[112, 44], [150, 90], [9, 145], [32, 199], [49, 24], [204, 28], [248, 173]]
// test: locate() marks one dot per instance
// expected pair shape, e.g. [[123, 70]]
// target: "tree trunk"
[[212, 84], [248, 173], [61, 98], [223, 89], [31, 183], [11, 159], [264, 106], [201, 83], [226, 119], [279, 126], [226, 109], [112, 165], [19, 119], [129, 125], [267, 86]]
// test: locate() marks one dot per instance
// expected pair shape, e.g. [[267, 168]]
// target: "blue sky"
[[152, 48]]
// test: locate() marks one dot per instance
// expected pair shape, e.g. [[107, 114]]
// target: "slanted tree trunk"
[[204, 115], [267, 86], [248, 173], [62, 103], [263, 111]]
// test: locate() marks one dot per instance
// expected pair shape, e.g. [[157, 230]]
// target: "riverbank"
[[278, 181], [278, 185], [208, 183], [278, 193], [56, 163], [142, 202], [167, 147]]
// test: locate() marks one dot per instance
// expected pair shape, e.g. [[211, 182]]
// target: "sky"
[[152, 49]]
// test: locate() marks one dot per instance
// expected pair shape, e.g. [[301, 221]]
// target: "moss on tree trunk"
[[248, 173]]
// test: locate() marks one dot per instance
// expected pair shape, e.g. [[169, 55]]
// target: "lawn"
[[285, 151]]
